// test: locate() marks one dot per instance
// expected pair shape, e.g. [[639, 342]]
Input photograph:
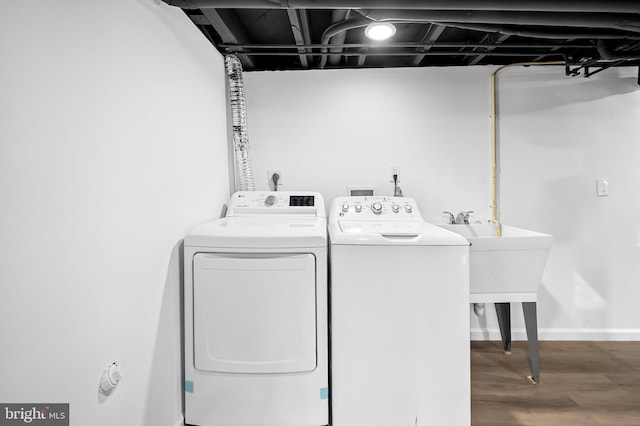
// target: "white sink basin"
[[505, 268]]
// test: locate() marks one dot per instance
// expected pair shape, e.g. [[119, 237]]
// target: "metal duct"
[[482, 21], [546, 32], [580, 20], [338, 28], [611, 6], [244, 172], [338, 15], [607, 55]]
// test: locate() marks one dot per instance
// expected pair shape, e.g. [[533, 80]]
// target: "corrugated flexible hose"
[[243, 169]]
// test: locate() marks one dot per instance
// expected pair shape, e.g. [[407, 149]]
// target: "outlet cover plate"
[[602, 187]]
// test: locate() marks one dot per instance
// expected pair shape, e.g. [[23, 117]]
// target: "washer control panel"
[[375, 208]]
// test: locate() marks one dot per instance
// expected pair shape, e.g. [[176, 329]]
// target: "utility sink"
[[505, 268]]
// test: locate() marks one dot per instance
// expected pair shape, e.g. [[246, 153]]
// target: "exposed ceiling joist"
[[314, 34], [300, 30], [613, 6], [500, 39], [433, 33], [230, 29]]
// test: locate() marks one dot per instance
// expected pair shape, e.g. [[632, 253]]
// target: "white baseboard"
[[577, 334], [179, 422]]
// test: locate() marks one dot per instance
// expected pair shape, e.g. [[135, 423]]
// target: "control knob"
[[270, 200], [358, 208], [408, 208], [376, 208], [395, 208], [345, 207]]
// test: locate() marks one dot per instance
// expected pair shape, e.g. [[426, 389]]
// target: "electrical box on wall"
[[394, 173], [274, 179], [602, 187]]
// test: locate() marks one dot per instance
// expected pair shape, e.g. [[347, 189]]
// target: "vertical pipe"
[[494, 155], [244, 171], [494, 137]]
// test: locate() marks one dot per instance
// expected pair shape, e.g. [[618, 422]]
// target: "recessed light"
[[380, 30]]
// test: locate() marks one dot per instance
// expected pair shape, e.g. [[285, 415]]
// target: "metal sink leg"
[[503, 310], [531, 324]]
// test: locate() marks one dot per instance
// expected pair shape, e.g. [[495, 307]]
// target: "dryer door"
[[254, 313]]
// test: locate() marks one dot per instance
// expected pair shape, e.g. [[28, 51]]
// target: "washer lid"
[[260, 231], [386, 227], [412, 233]]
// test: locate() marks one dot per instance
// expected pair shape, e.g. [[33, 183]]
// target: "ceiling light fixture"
[[380, 30]]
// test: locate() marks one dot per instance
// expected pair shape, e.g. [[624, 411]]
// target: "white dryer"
[[399, 316], [255, 313]]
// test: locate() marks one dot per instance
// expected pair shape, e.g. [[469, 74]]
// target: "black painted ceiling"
[[315, 34]]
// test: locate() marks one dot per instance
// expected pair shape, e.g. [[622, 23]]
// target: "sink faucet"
[[452, 219], [463, 217]]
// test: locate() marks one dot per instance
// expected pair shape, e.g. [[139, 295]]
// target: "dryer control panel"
[[276, 202], [375, 208]]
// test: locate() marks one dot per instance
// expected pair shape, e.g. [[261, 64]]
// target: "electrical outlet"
[[602, 187], [394, 169], [270, 180]]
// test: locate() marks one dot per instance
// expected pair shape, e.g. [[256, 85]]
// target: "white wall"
[[326, 130], [329, 129], [559, 135], [112, 145]]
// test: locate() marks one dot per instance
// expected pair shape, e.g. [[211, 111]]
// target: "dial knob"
[[395, 208], [376, 208], [408, 208], [270, 200], [358, 208], [345, 207]]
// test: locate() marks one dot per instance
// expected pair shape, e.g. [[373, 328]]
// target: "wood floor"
[[581, 384]]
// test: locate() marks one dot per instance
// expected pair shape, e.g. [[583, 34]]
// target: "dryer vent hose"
[[243, 169]]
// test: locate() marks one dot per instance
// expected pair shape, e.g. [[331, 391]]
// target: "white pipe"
[[494, 137]]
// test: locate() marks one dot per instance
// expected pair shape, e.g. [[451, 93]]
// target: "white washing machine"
[[256, 338], [399, 316]]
